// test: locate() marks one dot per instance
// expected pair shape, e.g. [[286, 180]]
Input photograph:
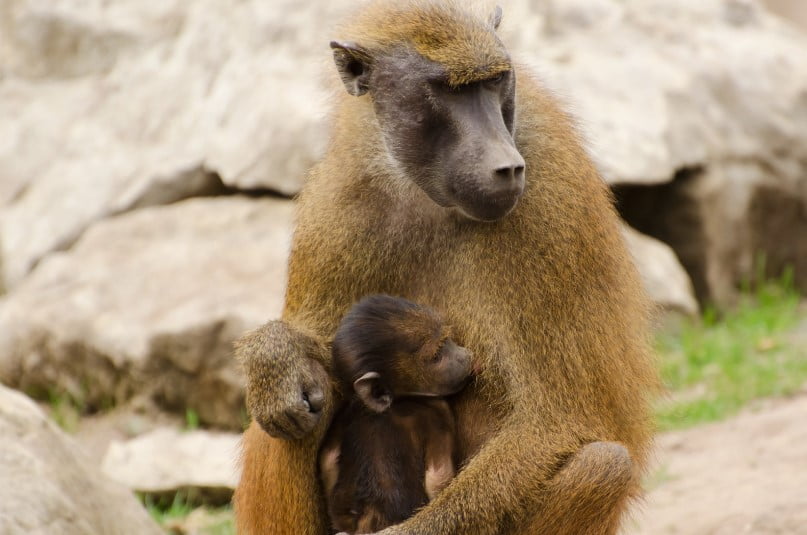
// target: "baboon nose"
[[510, 173]]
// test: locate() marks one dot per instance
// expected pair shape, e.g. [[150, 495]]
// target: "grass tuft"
[[717, 364], [191, 420], [163, 511]]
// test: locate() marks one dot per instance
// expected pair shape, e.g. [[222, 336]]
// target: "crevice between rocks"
[[721, 245], [668, 213], [778, 224], [197, 182]]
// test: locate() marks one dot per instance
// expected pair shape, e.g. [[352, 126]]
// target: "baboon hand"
[[287, 387]]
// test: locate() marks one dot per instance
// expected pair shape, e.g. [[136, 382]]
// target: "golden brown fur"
[[444, 32], [546, 298]]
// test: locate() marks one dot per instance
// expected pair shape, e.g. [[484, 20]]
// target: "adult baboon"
[[454, 180]]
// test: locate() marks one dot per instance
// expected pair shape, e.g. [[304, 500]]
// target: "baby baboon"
[[391, 448]]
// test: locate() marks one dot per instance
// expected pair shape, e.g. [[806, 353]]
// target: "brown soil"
[[744, 475]]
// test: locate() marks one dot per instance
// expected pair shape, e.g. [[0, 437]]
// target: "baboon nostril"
[[510, 172], [504, 173]]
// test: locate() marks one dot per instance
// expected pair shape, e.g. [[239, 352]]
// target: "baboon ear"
[[496, 17], [369, 389], [353, 63]]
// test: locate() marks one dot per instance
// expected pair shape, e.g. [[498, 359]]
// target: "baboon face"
[[454, 139], [390, 347], [417, 372]]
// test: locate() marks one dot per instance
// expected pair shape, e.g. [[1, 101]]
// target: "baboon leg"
[[589, 494]]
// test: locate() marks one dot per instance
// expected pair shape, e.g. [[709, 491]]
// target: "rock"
[[111, 106], [149, 302], [661, 86], [663, 276], [167, 460], [695, 112], [202, 521], [723, 222], [744, 475], [794, 11], [51, 486], [118, 105]]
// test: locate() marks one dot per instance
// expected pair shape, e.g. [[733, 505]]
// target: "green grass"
[[174, 515], [191, 420], [716, 364], [65, 410], [163, 511]]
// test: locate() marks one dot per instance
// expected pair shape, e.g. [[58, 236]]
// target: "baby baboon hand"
[[287, 387]]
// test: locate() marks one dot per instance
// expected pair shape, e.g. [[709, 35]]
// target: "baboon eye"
[[355, 68], [495, 80]]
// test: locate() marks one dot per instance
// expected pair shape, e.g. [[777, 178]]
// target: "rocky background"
[[150, 151]]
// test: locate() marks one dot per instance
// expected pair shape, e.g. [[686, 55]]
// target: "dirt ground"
[[747, 474]]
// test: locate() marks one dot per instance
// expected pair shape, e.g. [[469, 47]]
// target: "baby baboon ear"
[[372, 393], [353, 63], [496, 17]]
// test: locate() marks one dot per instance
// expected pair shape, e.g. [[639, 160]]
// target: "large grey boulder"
[[168, 460], [697, 113], [108, 107], [664, 86], [150, 302], [665, 280], [50, 486], [794, 11]]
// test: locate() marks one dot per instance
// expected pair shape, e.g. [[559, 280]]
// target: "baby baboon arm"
[[439, 472], [511, 480], [329, 465], [440, 449], [287, 380]]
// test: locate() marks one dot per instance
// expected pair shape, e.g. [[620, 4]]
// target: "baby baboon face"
[[389, 347], [440, 368]]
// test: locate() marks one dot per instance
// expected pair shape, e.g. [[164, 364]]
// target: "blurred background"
[[150, 152]]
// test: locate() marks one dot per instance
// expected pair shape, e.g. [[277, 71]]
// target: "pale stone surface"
[[663, 277], [744, 475], [715, 91], [151, 301], [660, 86], [167, 460], [107, 106], [793, 11], [50, 486]]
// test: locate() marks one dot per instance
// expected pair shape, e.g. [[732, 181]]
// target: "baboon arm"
[[278, 492], [513, 480]]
